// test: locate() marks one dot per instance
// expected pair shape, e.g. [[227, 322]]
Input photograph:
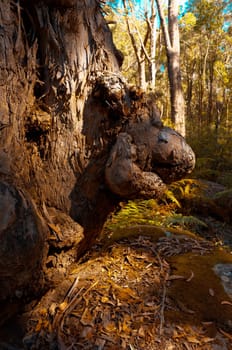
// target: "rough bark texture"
[[67, 122]]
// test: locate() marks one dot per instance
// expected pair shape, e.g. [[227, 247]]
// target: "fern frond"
[[223, 194], [147, 212], [170, 195], [184, 221], [187, 187]]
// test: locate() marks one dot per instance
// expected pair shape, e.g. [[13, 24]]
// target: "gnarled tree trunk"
[[51, 53], [74, 137]]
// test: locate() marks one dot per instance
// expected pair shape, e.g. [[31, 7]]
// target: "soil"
[[149, 290]]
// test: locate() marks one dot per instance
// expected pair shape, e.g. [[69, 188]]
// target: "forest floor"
[[149, 288]]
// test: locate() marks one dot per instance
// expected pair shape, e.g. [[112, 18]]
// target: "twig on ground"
[[163, 304]]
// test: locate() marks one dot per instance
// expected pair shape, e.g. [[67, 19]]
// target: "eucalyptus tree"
[[138, 22], [172, 43], [51, 54], [75, 137], [207, 60]]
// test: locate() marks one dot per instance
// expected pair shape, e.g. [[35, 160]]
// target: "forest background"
[[205, 30]]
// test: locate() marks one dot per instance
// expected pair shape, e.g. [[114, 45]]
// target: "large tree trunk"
[[74, 137], [51, 52]]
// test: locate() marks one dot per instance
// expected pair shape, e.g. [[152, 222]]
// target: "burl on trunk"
[[75, 138]]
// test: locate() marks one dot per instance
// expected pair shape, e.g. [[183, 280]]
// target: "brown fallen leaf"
[[106, 300], [227, 335], [184, 308], [175, 277], [177, 335], [41, 325], [190, 277], [124, 293], [141, 332], [226, 302], [124, 325], [63, 305], [209, 323], [211, 292], [110, 327], [100, 343], [207, 339], [187, 346], [193, 340], [87, 319]]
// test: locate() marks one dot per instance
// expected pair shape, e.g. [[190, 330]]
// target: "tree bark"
[[51, 52], [64, 108]]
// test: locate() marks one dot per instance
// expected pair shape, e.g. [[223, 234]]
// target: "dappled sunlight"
[[198, 291]]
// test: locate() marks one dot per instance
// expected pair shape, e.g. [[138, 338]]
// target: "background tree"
[[205, 58], [210, 52], [206, 67], [152, 22], [135, 34], [138, 43], [172, 43]]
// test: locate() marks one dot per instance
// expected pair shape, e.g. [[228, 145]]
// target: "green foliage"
[[169, 195], [213, 155], [206, 65], [162, 213], [221, 72], [190, 222], [136, 212], [123, 43], [205, 58], [208, 14], [185, 188], [224, 194], [225, 179], [188, 21]]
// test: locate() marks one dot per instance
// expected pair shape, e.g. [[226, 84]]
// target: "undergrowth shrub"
[[213, 149], [166, 212]]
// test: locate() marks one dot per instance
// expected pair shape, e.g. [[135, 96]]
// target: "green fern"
[[184, 221], [224, 194], [181, 189], [135, 212], [158, 212], [169, 195]]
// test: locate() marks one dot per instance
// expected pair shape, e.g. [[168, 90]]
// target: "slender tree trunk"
[[190, 77], [176, 93], [142, 75], [211, 92], [153, 43], [172, 42], [200, 96], [138, 50], [152, 25]]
